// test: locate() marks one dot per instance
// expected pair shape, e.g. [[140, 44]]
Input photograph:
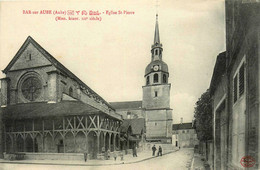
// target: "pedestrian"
[[121, 155], [134, 151], [85, 156], [160, 151], [115, 155], [108, 154], [154, 149], [103, 153]]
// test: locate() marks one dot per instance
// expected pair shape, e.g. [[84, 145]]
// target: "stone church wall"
[[162, 100]]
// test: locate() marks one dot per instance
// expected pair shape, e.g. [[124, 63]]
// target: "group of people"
[[107, 153], [115, 154], [159, 153]]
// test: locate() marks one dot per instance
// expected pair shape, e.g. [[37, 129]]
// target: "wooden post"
[[24, 139], [87, 142], [33, 135], [14, 144], [63, 137], [74, 136], [5, 149], [98, 148], [98, 124], [43, 136]]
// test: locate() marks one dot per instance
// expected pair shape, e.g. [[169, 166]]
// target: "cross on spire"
[[157, 6]]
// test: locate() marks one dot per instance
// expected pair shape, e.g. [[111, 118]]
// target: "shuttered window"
[[239, 83], [241, 80], [235, 89]]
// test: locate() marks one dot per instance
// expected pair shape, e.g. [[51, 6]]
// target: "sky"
[[110, 55]]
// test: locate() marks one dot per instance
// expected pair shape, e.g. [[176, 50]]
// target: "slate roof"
[[44, 109], [55, 62], [182, 126], [127, 105], [136, 125]]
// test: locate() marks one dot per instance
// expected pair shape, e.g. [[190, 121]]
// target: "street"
[[177, 160]]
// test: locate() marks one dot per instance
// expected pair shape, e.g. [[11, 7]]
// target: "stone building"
[[155, 106], [184, 135], [45, 108], [235, 91]]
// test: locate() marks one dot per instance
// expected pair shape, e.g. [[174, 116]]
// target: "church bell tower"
[[156, 95]]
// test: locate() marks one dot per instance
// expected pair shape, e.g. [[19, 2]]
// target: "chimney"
[[181, 120]]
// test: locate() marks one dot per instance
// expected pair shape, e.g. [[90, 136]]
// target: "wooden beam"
[[98, 123], [86, 123]]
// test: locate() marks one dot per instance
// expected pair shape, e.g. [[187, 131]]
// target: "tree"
[[203, 117]]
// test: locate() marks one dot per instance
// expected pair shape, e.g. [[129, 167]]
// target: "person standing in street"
[[134, 151], [85, 156], [160, 151], [154, 149]]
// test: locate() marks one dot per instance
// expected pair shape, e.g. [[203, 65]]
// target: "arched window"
[[164, 78], [147, 80], [70, 91], [156, 52], [155, 78]]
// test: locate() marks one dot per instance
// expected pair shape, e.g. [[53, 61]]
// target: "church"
[[45, 108], [155, 106]]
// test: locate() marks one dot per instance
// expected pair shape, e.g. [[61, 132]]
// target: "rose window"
[[31, 88]]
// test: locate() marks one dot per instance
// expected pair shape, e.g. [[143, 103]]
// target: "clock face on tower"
[[31, 88], [156, 68]]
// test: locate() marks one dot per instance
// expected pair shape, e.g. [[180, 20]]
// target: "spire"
[[156, 33]]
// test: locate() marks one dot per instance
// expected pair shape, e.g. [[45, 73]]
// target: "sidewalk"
[[128, 159], [197, 162]]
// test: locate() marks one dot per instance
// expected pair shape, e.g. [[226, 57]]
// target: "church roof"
[[55, 62], [44, 109], [127, 105], [182, 126], [136, 125]]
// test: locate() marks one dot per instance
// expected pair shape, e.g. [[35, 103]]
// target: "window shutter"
[[241, 80], [235, 89]]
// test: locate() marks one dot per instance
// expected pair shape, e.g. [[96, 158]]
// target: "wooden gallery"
[[45, 108]]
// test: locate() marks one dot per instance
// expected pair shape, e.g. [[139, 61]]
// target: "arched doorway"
[[92, 144], [48, 144], [69, 143], [59, 143], [101, 141], [112, 146], [81, 143], [9, 144], [20, 144], [107, 140], [117, 142], [29, 144]]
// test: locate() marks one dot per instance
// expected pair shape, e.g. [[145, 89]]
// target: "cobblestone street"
[[177, 160]]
